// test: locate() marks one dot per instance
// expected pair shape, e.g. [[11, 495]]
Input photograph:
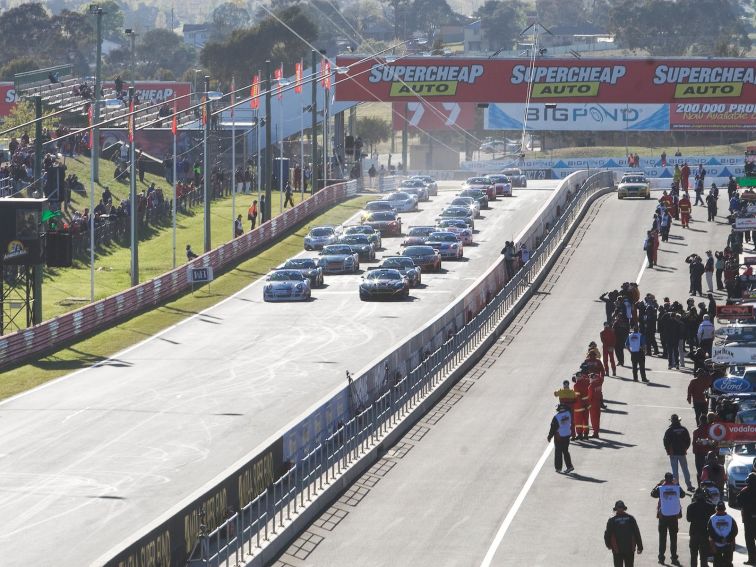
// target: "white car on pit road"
[[402, 202], [458, 227], [321, 236], [634, 185], [430, 183], [286, 285]]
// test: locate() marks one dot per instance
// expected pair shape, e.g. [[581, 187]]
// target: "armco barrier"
[[329, 441], [55, 333]]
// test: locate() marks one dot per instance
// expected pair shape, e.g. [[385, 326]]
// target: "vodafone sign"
[[459, 79], [733, 432]]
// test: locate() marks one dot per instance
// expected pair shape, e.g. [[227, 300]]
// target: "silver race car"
[[339, 259], [286, 285]]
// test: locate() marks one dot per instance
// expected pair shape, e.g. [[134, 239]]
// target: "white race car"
[[286, 285]]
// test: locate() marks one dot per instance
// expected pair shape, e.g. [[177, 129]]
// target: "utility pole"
[[134, 210], [97, 11], [268, 141], [38, 268], [314, 131], [206, 164], [405, 136]]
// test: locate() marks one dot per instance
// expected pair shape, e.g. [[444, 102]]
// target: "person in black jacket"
[[622, 536], [698, 514], [649, 325], [609, 298], [746, 500], [677, 443]]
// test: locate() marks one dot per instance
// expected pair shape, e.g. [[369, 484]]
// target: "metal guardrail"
[[244, 534]]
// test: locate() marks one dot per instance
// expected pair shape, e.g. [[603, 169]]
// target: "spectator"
[[238, 228]]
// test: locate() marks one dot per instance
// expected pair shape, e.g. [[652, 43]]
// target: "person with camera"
[[668, 512]]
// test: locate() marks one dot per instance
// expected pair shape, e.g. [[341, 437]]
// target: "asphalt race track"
[[473, 483], [88, 460]]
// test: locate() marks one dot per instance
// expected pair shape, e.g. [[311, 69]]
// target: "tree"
[[163, 49], [227, 18], [246, 50], [427, 15], [554, 12], [501, 22], [373, 130], [19, 65], [112, 19], [23, 29]]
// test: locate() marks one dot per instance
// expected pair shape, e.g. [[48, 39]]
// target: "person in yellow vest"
[[566, 396]]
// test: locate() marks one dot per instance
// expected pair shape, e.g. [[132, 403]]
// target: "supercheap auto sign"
[[442, 79]]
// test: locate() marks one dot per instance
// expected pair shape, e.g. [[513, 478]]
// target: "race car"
[[401, 201], [458, 227], [308, 267], [339, 259], [385, 222], [406, 267], [415, 187], [482, 183], [384, 283], [417, 235], [372, 234], [286, 285], [462, 213], [738, 464], [361, 244], [634, 185], [425, 257], [516, 176], [447, 244], [320, 236], [476, 194], [375, 206], [502, 185], [468, 202], [430, 183]]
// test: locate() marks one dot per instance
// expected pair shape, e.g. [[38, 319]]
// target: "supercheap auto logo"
[[705, 82], [561, 81], [426, 80]]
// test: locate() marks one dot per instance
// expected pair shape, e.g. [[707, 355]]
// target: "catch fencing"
[[386, 403]]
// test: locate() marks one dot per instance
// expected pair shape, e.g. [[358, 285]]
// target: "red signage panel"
[[432, 116], [735, 311], [735, 432], [626, 80]]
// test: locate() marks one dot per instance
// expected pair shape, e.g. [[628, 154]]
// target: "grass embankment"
[[97, 348], [67, 289]]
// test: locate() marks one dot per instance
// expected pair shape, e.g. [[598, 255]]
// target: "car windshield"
[[382, 216], [478, 181], [398, 263], [456, 212], [324, 231], [298, 263], [335, 249], [420, 230], [425, 178], [359, 230], [398, 196], [384, 275], [634, 179], [285, 275], [463, 201], [411, 183], [499, 178], [472, 193], [377, 206], [356, 239], [745, 449], [442, 237], [418, 251], [450, 223]]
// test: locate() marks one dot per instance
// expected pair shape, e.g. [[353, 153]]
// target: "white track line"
[[515, 507]]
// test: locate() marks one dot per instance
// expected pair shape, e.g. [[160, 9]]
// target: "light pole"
[[133, 212], [95, 10], [132, 71], [233, 159], [208, 96], [281, 85], [314, 134], [307, 108], [268, 140]]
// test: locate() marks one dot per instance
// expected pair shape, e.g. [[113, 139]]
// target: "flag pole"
[[91, 208], [233, 159], [174, 128]]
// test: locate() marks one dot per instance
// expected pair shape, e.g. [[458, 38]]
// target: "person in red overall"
[[666, 200], [684, 176], [685, 209], [595, 401], [581, 386], [592, 362], [608, 340], [674, 208]]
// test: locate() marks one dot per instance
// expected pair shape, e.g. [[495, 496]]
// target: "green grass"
[[97, 348], [67, 289]]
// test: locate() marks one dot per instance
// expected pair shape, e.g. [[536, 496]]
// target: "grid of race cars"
[[342, 249]]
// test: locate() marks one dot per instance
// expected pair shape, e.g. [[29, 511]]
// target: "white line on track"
[[515, 507]]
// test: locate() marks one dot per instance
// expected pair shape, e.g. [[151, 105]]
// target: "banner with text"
[[577, 116]]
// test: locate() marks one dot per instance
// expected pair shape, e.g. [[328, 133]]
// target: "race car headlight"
[[299, 286]]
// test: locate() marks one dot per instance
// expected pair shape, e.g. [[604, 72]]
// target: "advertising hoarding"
[[577, 116]]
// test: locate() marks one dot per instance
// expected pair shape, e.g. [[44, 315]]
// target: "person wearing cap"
[[622, 536], [697, 389], [697, 514], [636, 344], [714, 472], [668, 512], [722, 529], [593, 360], [581, 386], [746, 501], [608, 342], [705, 335], [566, 396], [595, 402], [677, 443], [560, 430]]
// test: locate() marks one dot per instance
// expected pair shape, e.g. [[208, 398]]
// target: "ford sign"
[[732, 385]]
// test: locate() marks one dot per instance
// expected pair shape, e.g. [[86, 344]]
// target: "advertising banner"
[[7, 98], [619, 81], [433, 116], [577, 116], [712, 116], [734, 311], [735, 432]]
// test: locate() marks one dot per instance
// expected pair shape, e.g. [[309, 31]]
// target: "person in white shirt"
[[706, 335]]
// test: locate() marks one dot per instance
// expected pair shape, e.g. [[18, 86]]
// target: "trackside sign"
[[731, 82]]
